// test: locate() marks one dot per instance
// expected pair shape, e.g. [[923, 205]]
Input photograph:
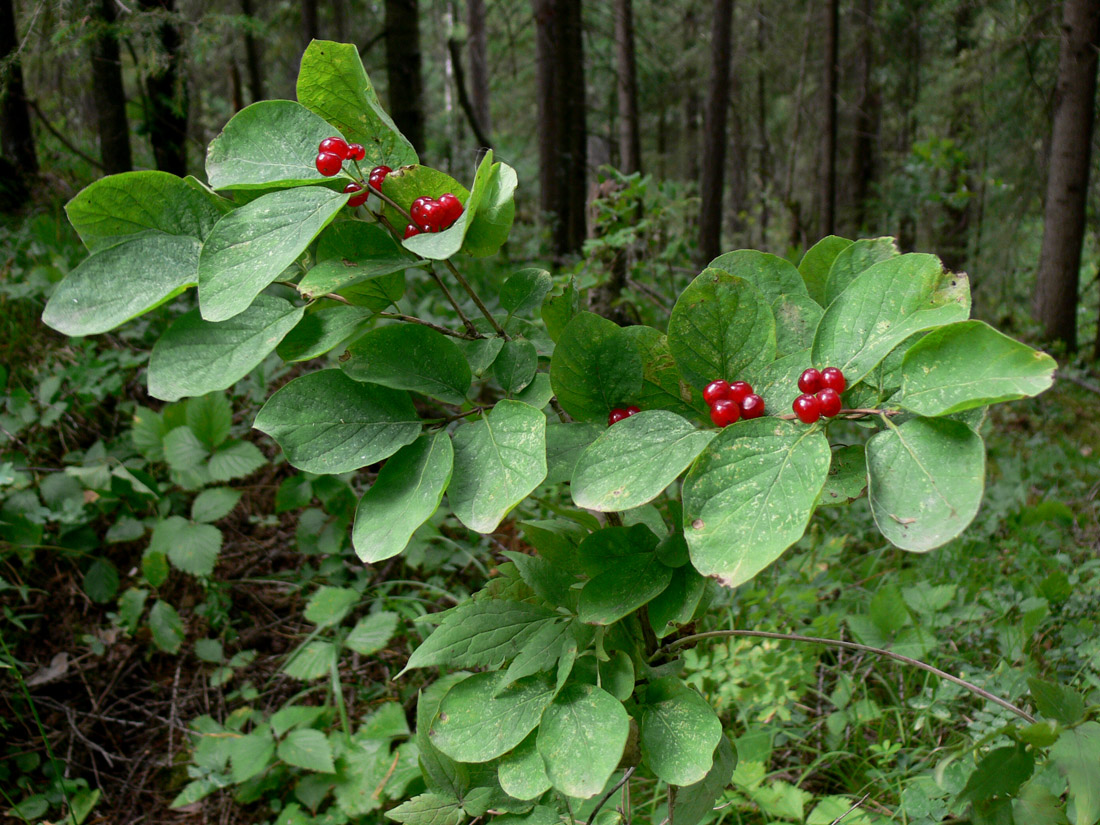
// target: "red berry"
[[410, 230], [416, 210], [616, 416], [810, 381], [632, 410], [833, 378], [829, 399], [752, 406], [357, 200], [379, 173], [807, 408], [724, 412], [329, 164], [452, 209], [740, 390], [715, 391], [430, 214], [356, 151], [335, 145]]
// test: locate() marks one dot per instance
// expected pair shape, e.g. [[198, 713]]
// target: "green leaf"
[[925, 481], [541, 653], [318, 332], [235, 459], [1000, 773], [676, 604], [289, 717], [372, 633], [565, 442], [633, 461], [154, 567], [558, 309], [498, 461], [522, 773], [853, 260], [429, 809], [750, 494], [350, 252], [480, 353], [327, 423], [610, 547], [515, 366], [772, 275], [551, 583], [538, 393], [1077, 757], [192, 548], [439, 245], [210, 418], [525, 290], [194, 357], [688, 806], [581, 739], [101, 581], [167, 627], [796, 320], [1058, 702], [270, 143], [405, 494], [307, 748], [1036, 805], [252, 246], [481, 633], [495, 212], [595, 368], [118, 207], [328, 606], [777, 383], [333, 84], [884, 306], [622, 589], [721, 327], [121, 282], [477, 723], [847, 475], [410, 357], [311, 661], [815, 264], [249, 755], [213, 504], [678, 732], [967, 365], [662, 387]]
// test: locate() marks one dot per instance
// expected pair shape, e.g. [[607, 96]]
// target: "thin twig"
[[444, 421], [609, 794], [1080, 382], [477, 299], [414, 320], [815, 640], [454, 303], [853, 808]]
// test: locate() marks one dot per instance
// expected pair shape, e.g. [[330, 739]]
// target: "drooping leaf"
[[676, 604], [499, 460], [595, 368], [688, 805], [123, 281], [482, 633], [581, 739], [853, 260], [750, 494], [194, 357], [410, 357], [495, 212], [926, 481], [405, 494], [119, 207], [815, 264], [721, 327], [270, 143], [678, 732], [633, 461], [327, 423], [967, 365], [252, 246], [318, 332], [349, 253], [772, 275], [622, 589]]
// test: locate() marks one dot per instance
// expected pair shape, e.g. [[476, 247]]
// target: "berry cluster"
[[432, 215], [821, 394], [332, 153], [377, 175], [618, 414], [729, 402]]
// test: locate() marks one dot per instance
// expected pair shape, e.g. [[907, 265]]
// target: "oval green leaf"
[[678, 732], [515, 366], [350, 252], [522, 773], [581, 739], [496, 210], [854, 260], [622, 589], [662, 387], [595, 368], [750, 494], [796, 320], [410, 357], [772, 275], [320, 331], [815, 264], [327, 423]]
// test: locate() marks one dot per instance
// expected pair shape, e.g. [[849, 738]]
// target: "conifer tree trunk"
[[310, 28], [867, 119], [630, 151], [403, 69], [827, 224], [478, 46], [253, 59], [1068, 177], [16, 136], [110, 95], [167, 99], [712, 172], [690, 151]]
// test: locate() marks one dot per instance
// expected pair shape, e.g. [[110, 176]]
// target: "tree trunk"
[[953, 236], [403, 69], [630, 152], [16, 136], [691, 100], [253, 58], [310, 28], [827, 225], [563, 157], [765, 191], [110, 95], [167, 100], [712, 175], [1067, 181], [478, 47], [867, 118]]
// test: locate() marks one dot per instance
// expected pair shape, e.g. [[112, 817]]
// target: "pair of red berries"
[[730, 402], [821, 394], [377, 175], [618, 414], [432, 215], [332, 153]]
